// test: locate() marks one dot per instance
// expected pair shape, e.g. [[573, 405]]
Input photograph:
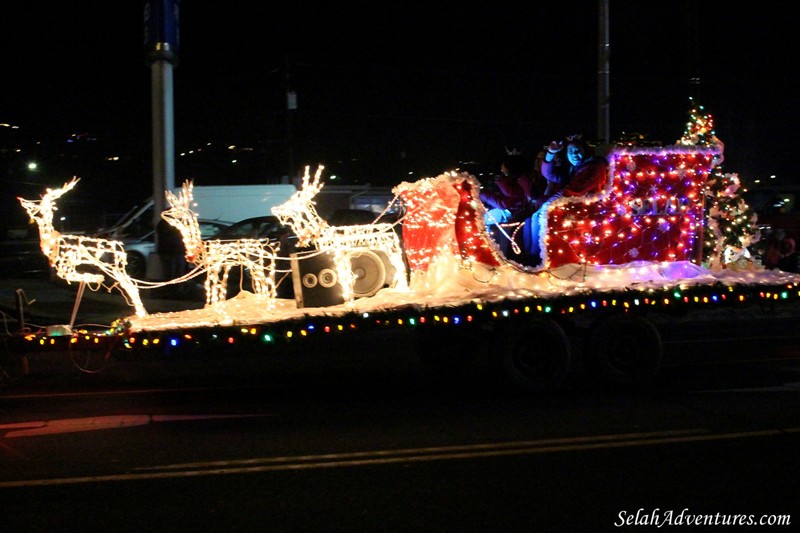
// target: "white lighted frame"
[[342, 241], [217, 257], [77, 258]]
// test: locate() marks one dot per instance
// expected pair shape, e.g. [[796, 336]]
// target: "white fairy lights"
[[345, 242], [217, 257], [76, 258]]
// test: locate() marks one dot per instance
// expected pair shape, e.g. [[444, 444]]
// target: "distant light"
[[333, 177], [112, 158], [233, 160], [232, 147], [32, 165], [772, 177]]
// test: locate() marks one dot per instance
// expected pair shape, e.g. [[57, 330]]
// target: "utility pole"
[[603, 76], [162, 42], [161, 39], [291, 109]]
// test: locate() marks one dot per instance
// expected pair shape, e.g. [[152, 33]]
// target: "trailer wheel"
[[536, 357], [447, 352], [625, 350]]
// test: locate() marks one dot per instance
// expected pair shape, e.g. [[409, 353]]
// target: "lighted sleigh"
[[651, 209]]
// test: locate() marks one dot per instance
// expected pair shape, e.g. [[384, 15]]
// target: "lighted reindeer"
[[217, 256], [345, 242], [76, 257]]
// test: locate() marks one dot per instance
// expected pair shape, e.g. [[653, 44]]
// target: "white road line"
[[412, 455]]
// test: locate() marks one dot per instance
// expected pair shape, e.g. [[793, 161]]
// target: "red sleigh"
[[650, 210]]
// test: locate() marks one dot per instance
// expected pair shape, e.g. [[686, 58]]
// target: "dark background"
[[383, 89]]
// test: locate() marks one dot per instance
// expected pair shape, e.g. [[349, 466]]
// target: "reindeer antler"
[[45, 206], [299, 210], [51, 195], [184, 198], [311, 187]]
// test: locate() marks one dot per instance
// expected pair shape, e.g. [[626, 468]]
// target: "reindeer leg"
[[127, 285], [212, 283]]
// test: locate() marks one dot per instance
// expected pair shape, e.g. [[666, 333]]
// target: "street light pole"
[[161, 39], [291, 109], [603, 75]]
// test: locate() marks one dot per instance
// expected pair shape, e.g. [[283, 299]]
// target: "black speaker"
[[315, 281], [372, 270]]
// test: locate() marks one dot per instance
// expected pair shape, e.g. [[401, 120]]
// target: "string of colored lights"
[[675, 300]]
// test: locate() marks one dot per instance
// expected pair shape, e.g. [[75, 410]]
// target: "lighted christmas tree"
[[730, 223], [700, 128]]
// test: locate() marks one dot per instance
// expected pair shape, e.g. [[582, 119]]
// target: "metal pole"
[[162, 42], [163, 134], [603, 76]]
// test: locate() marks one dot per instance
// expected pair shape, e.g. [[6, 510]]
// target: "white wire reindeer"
[[345, 242], [217, 256], [87, 260]]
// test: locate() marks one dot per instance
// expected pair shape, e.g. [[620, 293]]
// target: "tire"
[[447, 351], [12, 366], [92, 360], [536, 357], [137, 265], [625, 350]]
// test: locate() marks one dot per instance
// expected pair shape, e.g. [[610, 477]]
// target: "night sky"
[[406, 87]]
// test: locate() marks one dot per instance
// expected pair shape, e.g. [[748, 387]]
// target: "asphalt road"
[[366, 441]]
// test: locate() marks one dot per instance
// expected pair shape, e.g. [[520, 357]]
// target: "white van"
[[216, 205]]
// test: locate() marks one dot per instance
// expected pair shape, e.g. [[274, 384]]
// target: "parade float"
[[610, 261]]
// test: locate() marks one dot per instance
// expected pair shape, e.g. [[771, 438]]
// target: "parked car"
[[138, 249], [777, 210], [23, 257], [356, 217], [264, 227], [778, 222], [351, 217]]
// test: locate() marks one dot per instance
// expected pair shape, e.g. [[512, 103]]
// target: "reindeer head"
[[299, 213], [41, 211], [181, 216]]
